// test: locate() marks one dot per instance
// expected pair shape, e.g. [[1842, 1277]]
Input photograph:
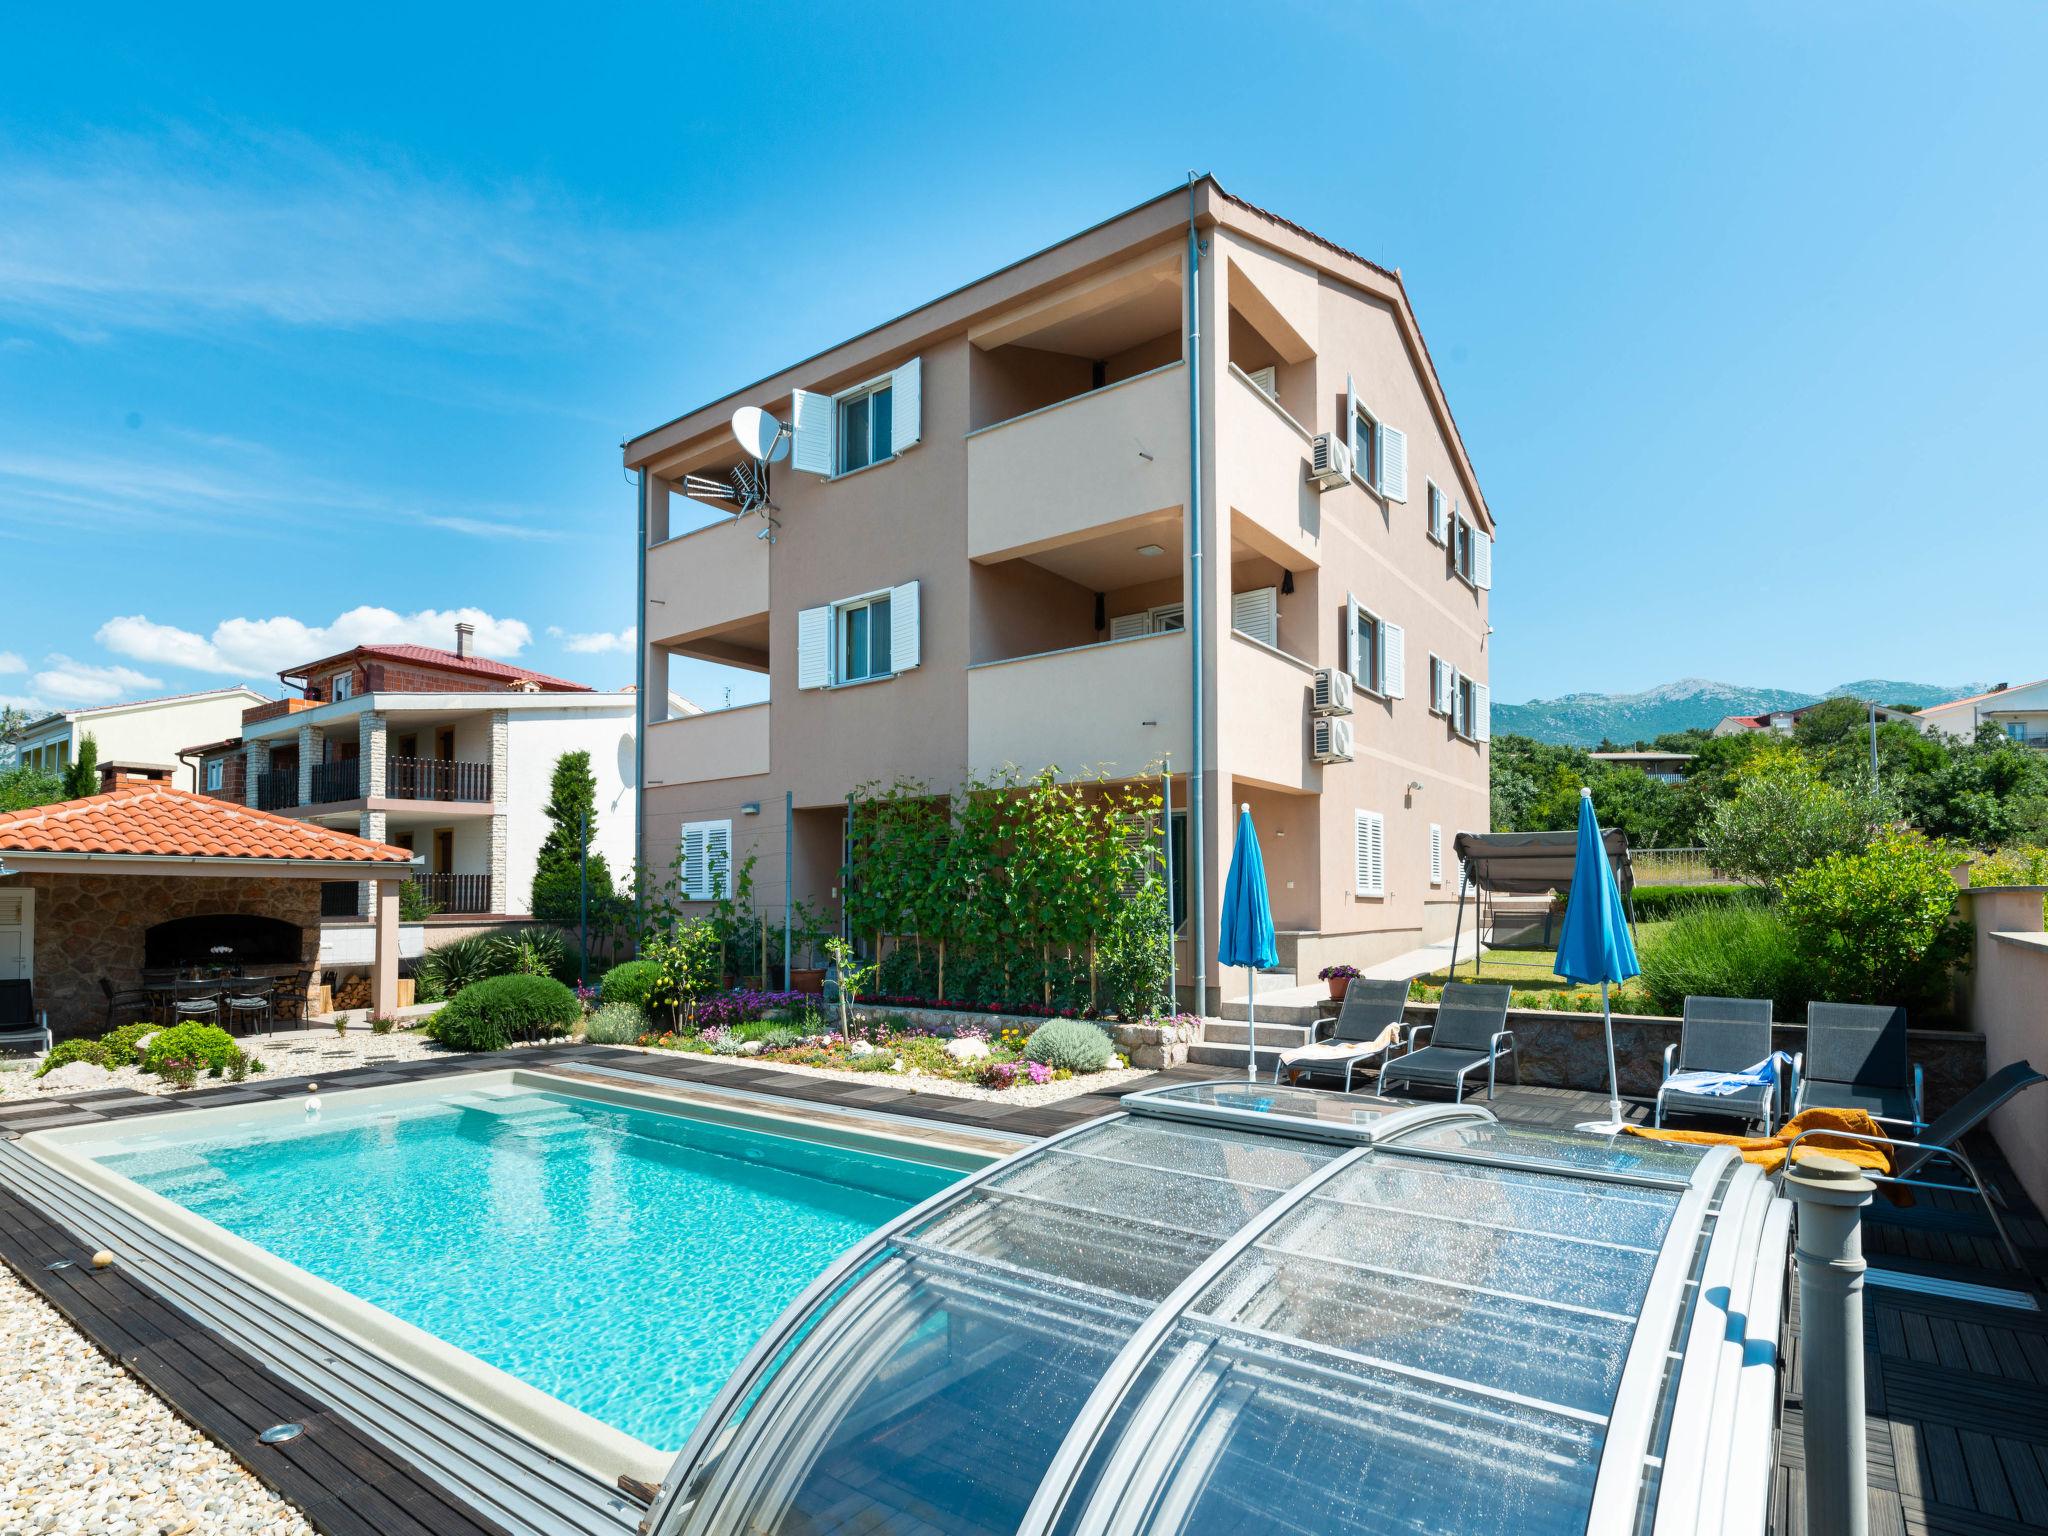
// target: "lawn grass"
[[1528, 970]]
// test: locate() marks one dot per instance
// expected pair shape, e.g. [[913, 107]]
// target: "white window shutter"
[[1370, 854], [1128, 626], [1436, 854], [1482, 709], [906, 407], [1393, 661], [1257, 613], [1436, 513], [813, 425], [1393, 463], [1482, 560], [1458, 721], [905, 627], [717, 859], [1263, 380], [814, 648], [1351, 405], [1354, 660], [694, 873]]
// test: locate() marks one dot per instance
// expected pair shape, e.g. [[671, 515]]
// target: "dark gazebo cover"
[[1531, 863]]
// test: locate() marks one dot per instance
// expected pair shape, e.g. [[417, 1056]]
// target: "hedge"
[[489, 1015], [631, 983], [1661, 901], [212, 1047]]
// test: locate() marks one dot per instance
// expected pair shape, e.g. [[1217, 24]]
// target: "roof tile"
[[155, 820]]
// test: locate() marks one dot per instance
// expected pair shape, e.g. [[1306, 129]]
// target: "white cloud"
[[9, 662], [184, 229], [243, 647], [27, 703], [596, 643], [77, 682]]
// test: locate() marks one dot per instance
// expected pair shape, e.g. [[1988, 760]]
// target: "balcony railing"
[[277, 791], [338, 780], [456, 893], [427, 778]]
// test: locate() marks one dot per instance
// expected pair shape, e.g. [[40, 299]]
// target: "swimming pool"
[[618, 1257]]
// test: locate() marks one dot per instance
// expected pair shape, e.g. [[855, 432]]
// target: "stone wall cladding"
[[256, 757], [370, 749], [309, 754], [370, 824], [89, 926]]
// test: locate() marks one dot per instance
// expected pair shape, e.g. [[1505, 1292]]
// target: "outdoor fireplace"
[[226, 938]]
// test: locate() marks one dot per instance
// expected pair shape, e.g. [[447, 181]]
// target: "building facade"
[[1089, 514], [2020, 710], [445, 753], [147, 731]]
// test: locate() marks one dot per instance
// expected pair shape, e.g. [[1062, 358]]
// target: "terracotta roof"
[[1978, 698], [152, 820], [427, 655]]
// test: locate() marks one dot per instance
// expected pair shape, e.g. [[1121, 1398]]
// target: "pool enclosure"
[[1238, 1308]]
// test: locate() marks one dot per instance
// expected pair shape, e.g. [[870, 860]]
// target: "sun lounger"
[[1724, 1038], [1470, 1032], [1368, 1024], [20, 1025], [1855, 1058]]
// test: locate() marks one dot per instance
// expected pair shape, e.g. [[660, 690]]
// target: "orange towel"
[[1768, 1152]]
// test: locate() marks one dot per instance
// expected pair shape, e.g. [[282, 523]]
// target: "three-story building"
[[1180, 492]]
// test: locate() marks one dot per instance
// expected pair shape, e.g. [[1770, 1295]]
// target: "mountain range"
[[1587, 719]]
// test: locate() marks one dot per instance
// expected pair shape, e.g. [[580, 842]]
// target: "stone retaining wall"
[[1145, 1045]]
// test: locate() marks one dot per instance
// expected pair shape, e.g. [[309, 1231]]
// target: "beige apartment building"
[[1078, 514]]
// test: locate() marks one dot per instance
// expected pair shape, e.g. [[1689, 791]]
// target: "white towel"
[[1718, 1085]]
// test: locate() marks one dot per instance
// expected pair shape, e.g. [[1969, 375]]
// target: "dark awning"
[[1531, 863]]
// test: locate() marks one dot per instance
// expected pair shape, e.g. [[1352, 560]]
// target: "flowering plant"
[[1333, 972]]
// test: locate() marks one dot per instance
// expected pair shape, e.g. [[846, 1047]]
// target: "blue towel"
[[1717, 1085]]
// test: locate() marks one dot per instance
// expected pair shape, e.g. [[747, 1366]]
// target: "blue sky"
[[319, 325]]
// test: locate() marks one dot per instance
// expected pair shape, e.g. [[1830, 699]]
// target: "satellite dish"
[[761, 435]]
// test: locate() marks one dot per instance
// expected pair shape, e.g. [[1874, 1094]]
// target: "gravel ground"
[[916, 1082], [286, 1054], [90, 1449]]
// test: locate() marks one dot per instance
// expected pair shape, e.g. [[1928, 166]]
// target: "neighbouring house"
[[1664, 767], [988, 549], [145, 731], [444, 753], [1783, 722], [143, 876], [2018, 709]]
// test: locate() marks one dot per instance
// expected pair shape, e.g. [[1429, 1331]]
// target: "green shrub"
[[452, 967], [1879, 926], [1785, 817], [630, 984], [205, 1045], [1728, 951], [2011, 866], [119, 1044], [1134, 960], [1072, 1044], [1655, 902], [615, 1024], [68, 1051], [489, 1015]]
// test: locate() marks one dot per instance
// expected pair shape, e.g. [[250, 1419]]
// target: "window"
[[1471, 554], [1436, 854], [1365, 641], [1365, 446], [1470, 711], [1379, 653], [2016, 729], [1370, 854], [864, 640], [343, 686], [1257, 613], [1177, 893], [1167, 618], [704, 860], [1439, 514], [214, 769], [864, 433]]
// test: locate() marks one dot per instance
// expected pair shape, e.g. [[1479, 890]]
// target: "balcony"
[[1116, 708], [706, 583], [457, 894], [1109, 456], [1264, 454], [341, 779], [719, 744], [427, 778], [278, 791], [1266, 695]]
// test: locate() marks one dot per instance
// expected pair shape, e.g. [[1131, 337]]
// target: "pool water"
[[622, 1260]]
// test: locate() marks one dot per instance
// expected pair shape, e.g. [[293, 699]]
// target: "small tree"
[[23, 787], [571, 807], [82, 778], [1879, 925], [1785, 817]]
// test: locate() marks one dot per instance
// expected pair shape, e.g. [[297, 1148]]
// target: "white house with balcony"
[[143, 731], [2019, 710]]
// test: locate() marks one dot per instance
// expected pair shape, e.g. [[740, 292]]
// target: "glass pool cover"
[[1241, 1308]]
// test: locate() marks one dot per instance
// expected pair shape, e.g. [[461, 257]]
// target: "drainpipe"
[[1198, 910], [640, 702], [1831, 1193]]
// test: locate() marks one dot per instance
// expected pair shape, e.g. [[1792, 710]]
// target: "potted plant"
[[1339, 977], [808, 930]]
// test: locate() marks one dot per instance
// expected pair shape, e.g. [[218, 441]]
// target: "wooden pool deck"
[[1957, 1383]]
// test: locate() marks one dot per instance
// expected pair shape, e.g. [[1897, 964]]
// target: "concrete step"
[[1231, 984], [1229, 1059], [1279, 1036], [1292, 1005]]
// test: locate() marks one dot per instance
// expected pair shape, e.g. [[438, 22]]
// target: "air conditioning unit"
[[1330, 463], [1332, 739], [1333, 691]]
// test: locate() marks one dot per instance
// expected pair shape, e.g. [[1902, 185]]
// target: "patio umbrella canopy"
[[1247, 936], [1595, 944]]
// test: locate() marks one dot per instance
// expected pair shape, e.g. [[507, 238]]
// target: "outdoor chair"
[[1855, 1058], [253, 1005], [196, 1000], [292, 998], [1722, 1034], [1356, 1034], [1470, 1032], [20, 1025], [1943, 1139], [136, 1002]]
